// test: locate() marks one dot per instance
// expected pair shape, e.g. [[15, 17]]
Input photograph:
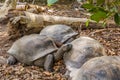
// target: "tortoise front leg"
[[11, 60], [49, 61], [64, 48]]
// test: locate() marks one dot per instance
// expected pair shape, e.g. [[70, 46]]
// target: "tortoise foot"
[[11, 60]]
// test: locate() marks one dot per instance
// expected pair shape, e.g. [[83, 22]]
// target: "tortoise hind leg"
[[11, 60], [49, 61]]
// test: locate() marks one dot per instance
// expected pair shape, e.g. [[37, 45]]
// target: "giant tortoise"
[[99, 68], [60, 33], [83, 49], [36, 50]]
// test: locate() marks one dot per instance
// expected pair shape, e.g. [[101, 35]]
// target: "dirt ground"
[[109, 37]]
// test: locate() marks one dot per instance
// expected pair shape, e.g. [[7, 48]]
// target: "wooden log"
[[33, 23], [8, 5], [6, 14]]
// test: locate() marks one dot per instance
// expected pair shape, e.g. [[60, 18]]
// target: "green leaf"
[[117, 18], [96, 9], [88, 6], [93, 10], [50, 2], [87, 23], [99, 2], [90, 1], [99, 15]]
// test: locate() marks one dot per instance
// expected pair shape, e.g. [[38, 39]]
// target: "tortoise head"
[[67, 47], [68, 36]]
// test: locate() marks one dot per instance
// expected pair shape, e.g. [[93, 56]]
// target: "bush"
[[101, 10]]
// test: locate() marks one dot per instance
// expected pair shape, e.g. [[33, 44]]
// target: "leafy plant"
[[50, 2], [101, 10]]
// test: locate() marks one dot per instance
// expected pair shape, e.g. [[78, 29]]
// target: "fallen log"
[[4, 17], [8, 5], [9, 9], [33, 23]]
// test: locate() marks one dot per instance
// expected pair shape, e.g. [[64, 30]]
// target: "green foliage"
[[99, 15], [117, 18], [101, 10], [87, 23], [88, 6], [100, 2], [50, 2]]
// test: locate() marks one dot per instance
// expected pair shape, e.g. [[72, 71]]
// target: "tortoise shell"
[[60, 33], [100, 68], [83, 49], [32, 47]]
